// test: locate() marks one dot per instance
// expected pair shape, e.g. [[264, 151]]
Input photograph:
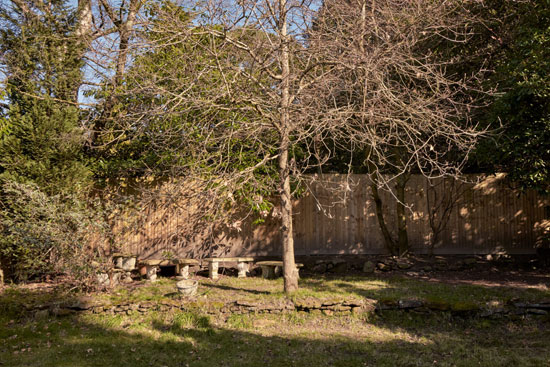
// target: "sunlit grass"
[[229, 289], [194, 338], [294, 339]]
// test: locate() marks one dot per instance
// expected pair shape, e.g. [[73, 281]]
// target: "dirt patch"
[[493, 277], [39, 286]]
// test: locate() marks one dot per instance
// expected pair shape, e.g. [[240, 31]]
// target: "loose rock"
[[409, 303], [339, 268], [536, 311], [369, 267], [320, 268], [403, 265]]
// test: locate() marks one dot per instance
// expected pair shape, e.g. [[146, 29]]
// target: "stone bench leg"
[[213, 270], [268, 271], [272, 272], [151, 272], [243, 268], [184, 271]]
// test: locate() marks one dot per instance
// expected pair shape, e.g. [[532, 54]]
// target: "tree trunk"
[[388, 240], [83, 32], [85, 20], [290, 274], [434, 238], [125, 28], [289, 266], [402, 237], [432, 212], [125, 31]]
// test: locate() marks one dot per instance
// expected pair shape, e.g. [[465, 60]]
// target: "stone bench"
[[126, 262], [152, 266], [213, 264], [271, 269]]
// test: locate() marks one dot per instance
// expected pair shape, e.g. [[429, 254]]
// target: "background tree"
[[397, 81], [44, 178], [108, 43], [518, 41], [41, 140], [442, 196]]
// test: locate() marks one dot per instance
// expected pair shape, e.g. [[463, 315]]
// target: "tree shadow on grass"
[[296, 339], [192, 340]]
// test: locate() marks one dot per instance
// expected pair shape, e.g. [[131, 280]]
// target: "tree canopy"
[[521, 107]]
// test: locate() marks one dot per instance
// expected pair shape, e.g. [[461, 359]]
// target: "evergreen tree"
[[40, 141], [524, 106], [42, 168]]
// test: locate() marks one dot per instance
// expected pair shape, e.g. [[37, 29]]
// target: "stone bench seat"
[[171, 262], [271, 269], [124, 261], [182, 266], [213, 264]]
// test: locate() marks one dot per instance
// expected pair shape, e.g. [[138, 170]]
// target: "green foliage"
[[522, 105], [159, 132], [43, 175], [40, 141], [43, 234], [185, 320], [237, 321]]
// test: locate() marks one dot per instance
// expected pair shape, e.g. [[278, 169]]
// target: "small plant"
[[45, 235], [168, 255], [113, 321], [295, 318], [187, 320], [239, 321]]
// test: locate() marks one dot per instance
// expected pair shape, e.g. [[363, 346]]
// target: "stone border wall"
[[494, 309]]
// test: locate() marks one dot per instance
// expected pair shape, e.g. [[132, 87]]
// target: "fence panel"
[[486, 217]]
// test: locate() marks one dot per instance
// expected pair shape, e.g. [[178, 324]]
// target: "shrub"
[[43, 235]]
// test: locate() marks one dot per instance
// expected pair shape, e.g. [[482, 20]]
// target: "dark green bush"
[[44, 235]]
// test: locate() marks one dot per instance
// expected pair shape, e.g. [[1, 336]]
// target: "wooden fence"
[[337, 216]]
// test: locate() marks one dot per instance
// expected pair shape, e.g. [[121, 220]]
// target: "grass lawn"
[[395, 338]]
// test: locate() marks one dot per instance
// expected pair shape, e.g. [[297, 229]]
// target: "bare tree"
[[103, 31], [400, 82], [106, 29], [229, 77], [246, 96]]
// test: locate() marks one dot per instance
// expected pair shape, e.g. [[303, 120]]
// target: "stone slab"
[[276, 263], [228, 259], [165, 262]]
